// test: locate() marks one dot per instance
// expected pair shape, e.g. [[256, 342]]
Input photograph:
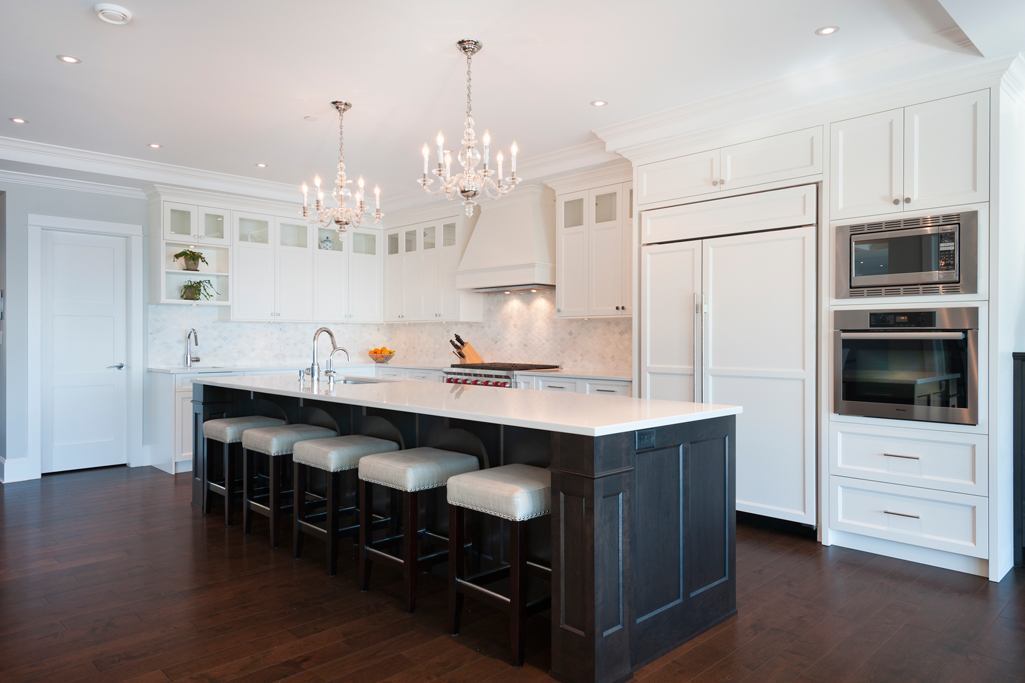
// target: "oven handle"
[[902, 335]]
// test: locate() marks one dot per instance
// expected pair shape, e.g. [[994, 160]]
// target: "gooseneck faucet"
[[315, 368], [330, 372], [189, 358]]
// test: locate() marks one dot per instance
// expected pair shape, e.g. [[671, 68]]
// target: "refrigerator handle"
[[698, 311]]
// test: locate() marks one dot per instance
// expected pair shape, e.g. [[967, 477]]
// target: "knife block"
[[471, 355]]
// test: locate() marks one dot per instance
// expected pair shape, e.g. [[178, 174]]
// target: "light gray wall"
[[22, 200]]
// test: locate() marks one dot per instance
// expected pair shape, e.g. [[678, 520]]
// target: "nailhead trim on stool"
[[513, 492], [228, 431], [340, 453]]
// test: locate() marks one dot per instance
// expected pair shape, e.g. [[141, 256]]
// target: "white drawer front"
[[185, 381], [424, 375], [608, 388], [552, 384], [391, 373], [952, 522], [936, 460]]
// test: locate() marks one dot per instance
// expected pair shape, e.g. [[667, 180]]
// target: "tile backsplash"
[[518, 327]]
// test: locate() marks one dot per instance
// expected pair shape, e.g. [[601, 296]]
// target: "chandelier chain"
[[469, 106]]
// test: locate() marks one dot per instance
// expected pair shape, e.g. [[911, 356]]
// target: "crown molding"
[[791, 91], [1013, 83], [618, 173], [70, 184], [138, 169]]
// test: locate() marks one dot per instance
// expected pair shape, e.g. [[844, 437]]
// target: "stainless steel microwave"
[[908, 257], [907, 365]]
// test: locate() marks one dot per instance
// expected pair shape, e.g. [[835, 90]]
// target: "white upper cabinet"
[[571, 255], [593, 254], [921, 157], [946, 152], [410, 274], [198, 224], [330, 276], [213, 226], [393, 274], [293, 273], [450, 304], [254, 268], [364, 290], [767, 160], [429, 290], [866, 165], [179, 221]]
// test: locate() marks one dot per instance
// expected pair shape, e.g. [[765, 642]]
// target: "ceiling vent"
[[113, 14]]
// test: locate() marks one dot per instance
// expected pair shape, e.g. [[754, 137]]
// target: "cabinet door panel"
[[758, 351], [670, 288], [429, 294], [946, 152], [179, 222], [450, 255], [293, 275], [254, 283], [605, 242], [571, 280], [213, 225], [331, 286], [866, 165], [410, 275], [779, 157], [365, 283], [681, 177], [393, 290], [629, 278]]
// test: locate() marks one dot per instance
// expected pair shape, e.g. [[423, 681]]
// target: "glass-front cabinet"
[[198, 224]]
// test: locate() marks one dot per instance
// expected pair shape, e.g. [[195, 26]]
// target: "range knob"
[[466, 381], [477, 382]]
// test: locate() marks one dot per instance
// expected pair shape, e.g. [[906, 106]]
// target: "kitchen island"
[[641, 535]]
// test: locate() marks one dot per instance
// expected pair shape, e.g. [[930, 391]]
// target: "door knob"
[[119, 366]]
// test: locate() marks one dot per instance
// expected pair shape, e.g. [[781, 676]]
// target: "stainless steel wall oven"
[[907, 365], [908, 257]]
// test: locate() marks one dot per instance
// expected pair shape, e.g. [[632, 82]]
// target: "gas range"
[[492, 374]]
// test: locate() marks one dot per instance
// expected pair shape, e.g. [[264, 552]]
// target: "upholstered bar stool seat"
[[409, 471], [277, 443], [337, 456], [228, 431], [517, 493], [513, 492]]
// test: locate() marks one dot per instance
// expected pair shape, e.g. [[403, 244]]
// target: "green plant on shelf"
[[191, 258], [198, 290]]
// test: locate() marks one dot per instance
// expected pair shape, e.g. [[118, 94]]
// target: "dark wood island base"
[[642, 529]]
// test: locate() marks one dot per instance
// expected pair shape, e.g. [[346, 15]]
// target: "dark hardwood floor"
[[111, 575]]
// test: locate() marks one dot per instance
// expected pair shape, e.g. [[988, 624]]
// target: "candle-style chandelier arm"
[[342, 215]]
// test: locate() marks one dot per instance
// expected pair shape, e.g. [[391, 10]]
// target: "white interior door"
[[84, 338], [759, 353], [670, 290]]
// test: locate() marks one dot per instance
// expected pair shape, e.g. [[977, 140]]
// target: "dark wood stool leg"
[[248, 477], [275, 498], [366, 519], [208, 502], [334, 492], [411, 543], [300, 475], [456, 568], [229, 484], [518, 590]]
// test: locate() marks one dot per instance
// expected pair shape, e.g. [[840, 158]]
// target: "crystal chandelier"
[[342, 215], [470, 183]]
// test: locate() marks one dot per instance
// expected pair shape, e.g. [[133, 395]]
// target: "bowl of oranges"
[[382, 354]]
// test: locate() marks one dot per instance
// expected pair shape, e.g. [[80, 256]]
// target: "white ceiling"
[[226, 84]]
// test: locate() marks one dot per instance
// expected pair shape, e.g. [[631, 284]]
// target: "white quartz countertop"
[[181, 369], [583, 414]]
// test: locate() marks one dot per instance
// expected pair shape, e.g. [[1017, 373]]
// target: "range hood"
[[513, 244]]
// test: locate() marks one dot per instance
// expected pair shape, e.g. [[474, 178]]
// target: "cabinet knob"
[[721, 181], [896, 202], [617, 308], [715, 182], [907, 200]]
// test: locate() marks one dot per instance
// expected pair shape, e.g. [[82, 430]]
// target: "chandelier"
[[342, 215], [470, 183]]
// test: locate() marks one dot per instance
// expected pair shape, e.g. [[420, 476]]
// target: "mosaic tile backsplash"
[[519, 327]]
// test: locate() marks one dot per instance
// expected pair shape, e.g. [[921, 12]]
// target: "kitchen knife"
[[458, 349], [460, 340]]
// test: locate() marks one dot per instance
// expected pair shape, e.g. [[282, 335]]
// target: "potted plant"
[[190, 258], [198, 290]]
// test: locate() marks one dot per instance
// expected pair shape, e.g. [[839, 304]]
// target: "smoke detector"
[[113, 14]]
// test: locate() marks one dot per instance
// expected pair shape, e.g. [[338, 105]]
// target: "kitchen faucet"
[[189, 359], [315, 368], [330, 372]]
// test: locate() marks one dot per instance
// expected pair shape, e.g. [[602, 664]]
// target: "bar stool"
[[228, 431], [277, 444], [409, 471], [335, 456], [516, 493]]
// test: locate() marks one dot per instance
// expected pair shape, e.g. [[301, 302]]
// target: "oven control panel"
[[903, 319]]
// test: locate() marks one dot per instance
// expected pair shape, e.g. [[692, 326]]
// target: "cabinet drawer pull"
[[555, 386], [905, 457], [901, 514], [606, 391]]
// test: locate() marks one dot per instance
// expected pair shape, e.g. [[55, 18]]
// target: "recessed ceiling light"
[[17, 120], [261, 165], [827, 30], [68, 59], [599, 103], [112, 14], [155, 145]]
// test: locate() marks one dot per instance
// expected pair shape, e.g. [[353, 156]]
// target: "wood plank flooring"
[[111, 575]]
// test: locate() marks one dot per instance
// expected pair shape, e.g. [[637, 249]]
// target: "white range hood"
[[513, 243]]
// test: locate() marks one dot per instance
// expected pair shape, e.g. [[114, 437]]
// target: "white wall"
[[22, 200], [516, 327]]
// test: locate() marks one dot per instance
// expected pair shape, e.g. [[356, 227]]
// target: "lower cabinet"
[[575, 385], [418, 374]]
